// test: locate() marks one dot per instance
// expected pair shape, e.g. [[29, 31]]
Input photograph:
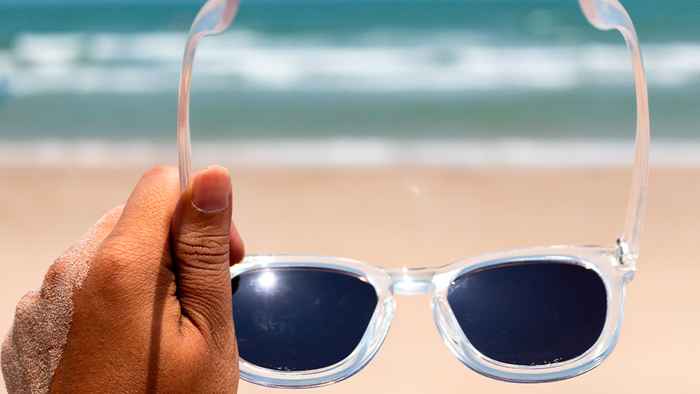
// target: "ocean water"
[[369, 75]]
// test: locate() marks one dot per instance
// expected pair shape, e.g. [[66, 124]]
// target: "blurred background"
[[108, 70], [471, 87]]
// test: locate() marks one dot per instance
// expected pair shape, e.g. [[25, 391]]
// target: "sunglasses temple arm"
[[184, 153], [608, 15], [214, 17], [632, 234]]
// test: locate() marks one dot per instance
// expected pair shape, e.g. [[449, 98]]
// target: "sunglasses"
[[529, 315]]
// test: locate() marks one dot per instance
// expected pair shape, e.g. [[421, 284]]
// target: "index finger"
[[143, 230]]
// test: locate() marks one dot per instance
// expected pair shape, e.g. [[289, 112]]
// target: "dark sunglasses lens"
[[299, 319], [531, 313]]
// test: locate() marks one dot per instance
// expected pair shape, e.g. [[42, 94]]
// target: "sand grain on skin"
[[34, 345]]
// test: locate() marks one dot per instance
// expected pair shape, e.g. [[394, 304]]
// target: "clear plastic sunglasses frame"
[[615, 264]]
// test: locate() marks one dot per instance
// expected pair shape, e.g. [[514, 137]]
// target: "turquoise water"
[[310, 69]]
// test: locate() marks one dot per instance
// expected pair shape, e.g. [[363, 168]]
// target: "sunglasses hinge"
[[625, 257]]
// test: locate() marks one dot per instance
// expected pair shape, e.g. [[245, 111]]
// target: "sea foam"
[[59, 63]]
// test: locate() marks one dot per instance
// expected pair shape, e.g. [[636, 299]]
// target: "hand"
[[153, 312]]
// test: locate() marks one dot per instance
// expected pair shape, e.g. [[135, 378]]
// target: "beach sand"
[[417, 217]]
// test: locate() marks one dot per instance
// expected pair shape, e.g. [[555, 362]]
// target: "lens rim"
[[302, 335], [371, 340], [601, 259]]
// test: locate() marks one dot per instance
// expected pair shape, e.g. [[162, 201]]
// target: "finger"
[[236, 248], [143, 230], [201, 243]]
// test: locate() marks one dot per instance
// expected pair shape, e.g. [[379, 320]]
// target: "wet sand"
[[417, 217]]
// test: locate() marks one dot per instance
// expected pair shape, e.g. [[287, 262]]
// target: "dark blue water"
[[655, 20]]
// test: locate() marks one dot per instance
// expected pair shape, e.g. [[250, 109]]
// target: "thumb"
[[201, 229]]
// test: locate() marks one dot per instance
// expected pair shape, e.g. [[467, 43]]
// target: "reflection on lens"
[[531, 313], [298, 319]]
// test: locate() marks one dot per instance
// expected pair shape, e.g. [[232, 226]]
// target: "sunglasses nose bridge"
[[412, 281]]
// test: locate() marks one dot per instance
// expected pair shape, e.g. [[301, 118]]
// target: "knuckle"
[[116, 255], [67, 270], [118, 276], [28, 303], [54, 282], [54, 274], [118, 264]]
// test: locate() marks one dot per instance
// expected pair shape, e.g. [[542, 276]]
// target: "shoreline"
[[351, 153]]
